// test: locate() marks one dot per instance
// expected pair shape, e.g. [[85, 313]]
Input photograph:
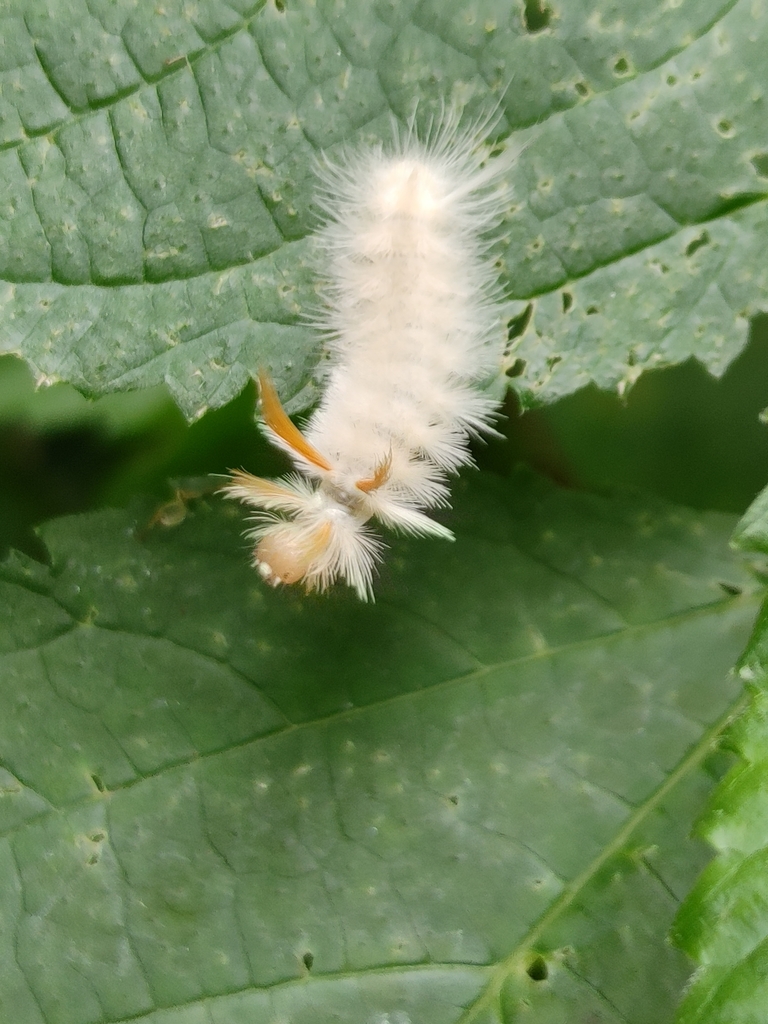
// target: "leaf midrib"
[[561, 903]]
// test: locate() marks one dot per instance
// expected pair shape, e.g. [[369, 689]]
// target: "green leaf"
[[467, 802], [157, 179], [723, 924], [62, 408]]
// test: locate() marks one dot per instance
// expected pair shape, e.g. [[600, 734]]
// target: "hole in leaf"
[[518, 324], [536, 15], [671, 80], [725, 128], [280, 5], [621, 67], [567, 301], [760, 163], [517, 369], [730, 588], [591, 310], [98, 783], [93, 859], [454, 800], [97, 837], [552, 361], [582, 88], [537, 969], [702, 239], [308, 960]]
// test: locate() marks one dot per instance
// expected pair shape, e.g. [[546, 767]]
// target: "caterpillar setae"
[[414, 325]]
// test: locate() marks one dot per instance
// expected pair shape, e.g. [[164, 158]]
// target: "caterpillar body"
[[414, 326]]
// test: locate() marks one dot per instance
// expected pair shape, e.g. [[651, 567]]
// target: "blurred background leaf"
[[723, 923]]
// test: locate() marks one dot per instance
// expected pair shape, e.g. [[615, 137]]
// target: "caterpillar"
[[414, 325]]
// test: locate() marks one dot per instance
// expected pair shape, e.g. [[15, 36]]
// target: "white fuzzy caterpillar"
[[414, 326]]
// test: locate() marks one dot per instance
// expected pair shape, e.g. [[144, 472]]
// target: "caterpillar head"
[[288, 553], [323, 543]]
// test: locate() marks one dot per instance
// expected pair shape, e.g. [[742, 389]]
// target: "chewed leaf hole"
[[591, 310], [725, 128], [702, 239], [536, 15], [516, 327], [454, 800], [582, 88], [308, 960], [567, 301], [760, 163], [280, 5], [517, 369], [537, 969], [622, 67], [730, 588], [98, 783]]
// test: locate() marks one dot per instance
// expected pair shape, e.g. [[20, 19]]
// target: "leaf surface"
[[157, 179], [723, 924], [467, 802]]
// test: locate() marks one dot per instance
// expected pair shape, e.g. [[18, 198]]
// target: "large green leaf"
[[467, 802], [156, 178], [723, 924]]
